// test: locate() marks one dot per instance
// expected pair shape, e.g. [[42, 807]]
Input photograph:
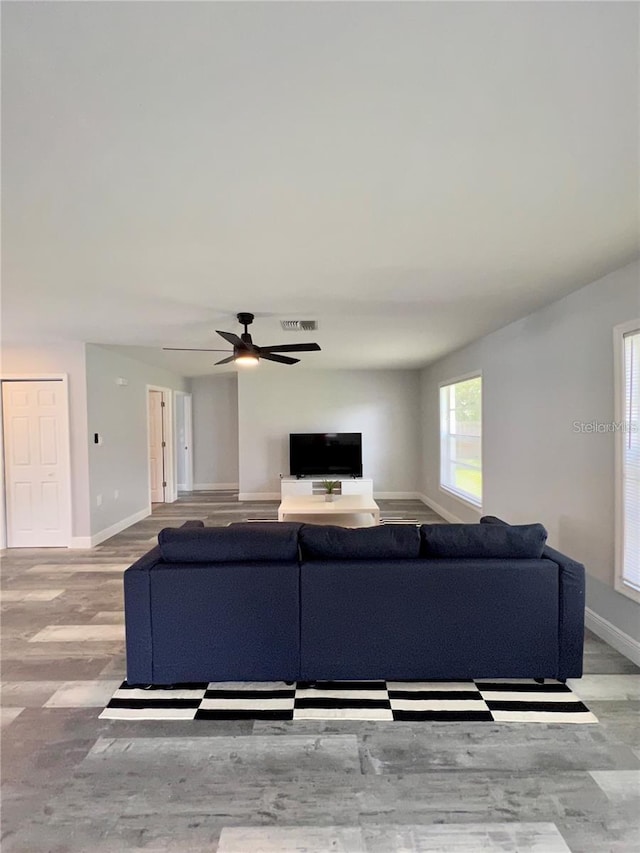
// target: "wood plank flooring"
[[72, 782]]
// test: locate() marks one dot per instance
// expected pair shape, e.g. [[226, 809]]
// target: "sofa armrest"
[[154, 556], [572, 604], [137, 618], [137, 614]]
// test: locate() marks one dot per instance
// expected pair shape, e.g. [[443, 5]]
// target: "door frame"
[[65, 441], [185, 398], [170, 473]]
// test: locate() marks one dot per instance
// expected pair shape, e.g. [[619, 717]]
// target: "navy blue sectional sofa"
[[287, 602]]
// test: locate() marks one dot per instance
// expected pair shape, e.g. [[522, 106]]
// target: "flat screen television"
[[325, 453]]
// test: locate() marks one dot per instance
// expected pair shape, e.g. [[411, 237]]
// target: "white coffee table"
[[316, 505]]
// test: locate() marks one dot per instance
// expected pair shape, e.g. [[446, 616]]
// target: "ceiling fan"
[[245, 352]]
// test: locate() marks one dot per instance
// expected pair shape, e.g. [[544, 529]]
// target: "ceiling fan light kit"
[[247, 360], [248, 354]]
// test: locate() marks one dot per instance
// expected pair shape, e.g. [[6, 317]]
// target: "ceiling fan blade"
[[291, 348], [229, 336], [281, 359], [225, 360], [194, 349]]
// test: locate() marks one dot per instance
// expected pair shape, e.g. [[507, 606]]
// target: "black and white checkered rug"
[[498, 701]]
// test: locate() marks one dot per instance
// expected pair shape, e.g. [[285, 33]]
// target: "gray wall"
[[215, 431], [119, 414], [381, 404], [541, 374], [70, 359]]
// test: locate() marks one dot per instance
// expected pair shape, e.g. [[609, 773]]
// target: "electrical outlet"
[[116, 494], [99, 500]]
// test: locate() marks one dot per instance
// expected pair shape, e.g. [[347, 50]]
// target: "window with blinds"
[[461, 439], [628, 435]]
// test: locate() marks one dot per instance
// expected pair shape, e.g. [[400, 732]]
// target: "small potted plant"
[[330, 489]]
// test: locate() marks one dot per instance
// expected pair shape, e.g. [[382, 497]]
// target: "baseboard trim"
[[616, 638], [82, 542], [448, 516], [259, 496], [214, 487], [396, 496], [275, 496]]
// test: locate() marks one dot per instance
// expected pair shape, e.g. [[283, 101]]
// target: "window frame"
[[463, 497], [619, 385]]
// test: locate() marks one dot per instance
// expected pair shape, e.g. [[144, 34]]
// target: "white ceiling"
[[410, 175]]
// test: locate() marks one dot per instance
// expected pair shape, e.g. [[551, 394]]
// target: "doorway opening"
[[160, 447], [157, 446], [184, 441]]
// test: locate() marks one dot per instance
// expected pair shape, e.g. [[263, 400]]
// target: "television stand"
[[296, 486]]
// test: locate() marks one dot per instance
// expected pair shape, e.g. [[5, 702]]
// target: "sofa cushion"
[[239, 543], [524, 541], [328, 542]]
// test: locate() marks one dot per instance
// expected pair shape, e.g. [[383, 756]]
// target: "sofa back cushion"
[[240, 543], [524, 541], [390, 542]]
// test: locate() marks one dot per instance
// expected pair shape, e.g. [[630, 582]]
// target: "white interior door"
[[184, 453], [188, 442], [181, 451], [37, 471], [156, 446]]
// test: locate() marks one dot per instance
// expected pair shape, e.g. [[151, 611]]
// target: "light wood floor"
[[71, 782]]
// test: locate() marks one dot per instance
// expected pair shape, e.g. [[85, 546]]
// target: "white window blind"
[[461, 439], [631, 462]]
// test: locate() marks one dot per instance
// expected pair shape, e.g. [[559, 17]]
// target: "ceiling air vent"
[[299, 325]]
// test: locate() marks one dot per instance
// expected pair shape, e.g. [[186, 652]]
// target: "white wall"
[[28, 361], [215, 431], [119, 414], [540, 375], [381, 404]]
